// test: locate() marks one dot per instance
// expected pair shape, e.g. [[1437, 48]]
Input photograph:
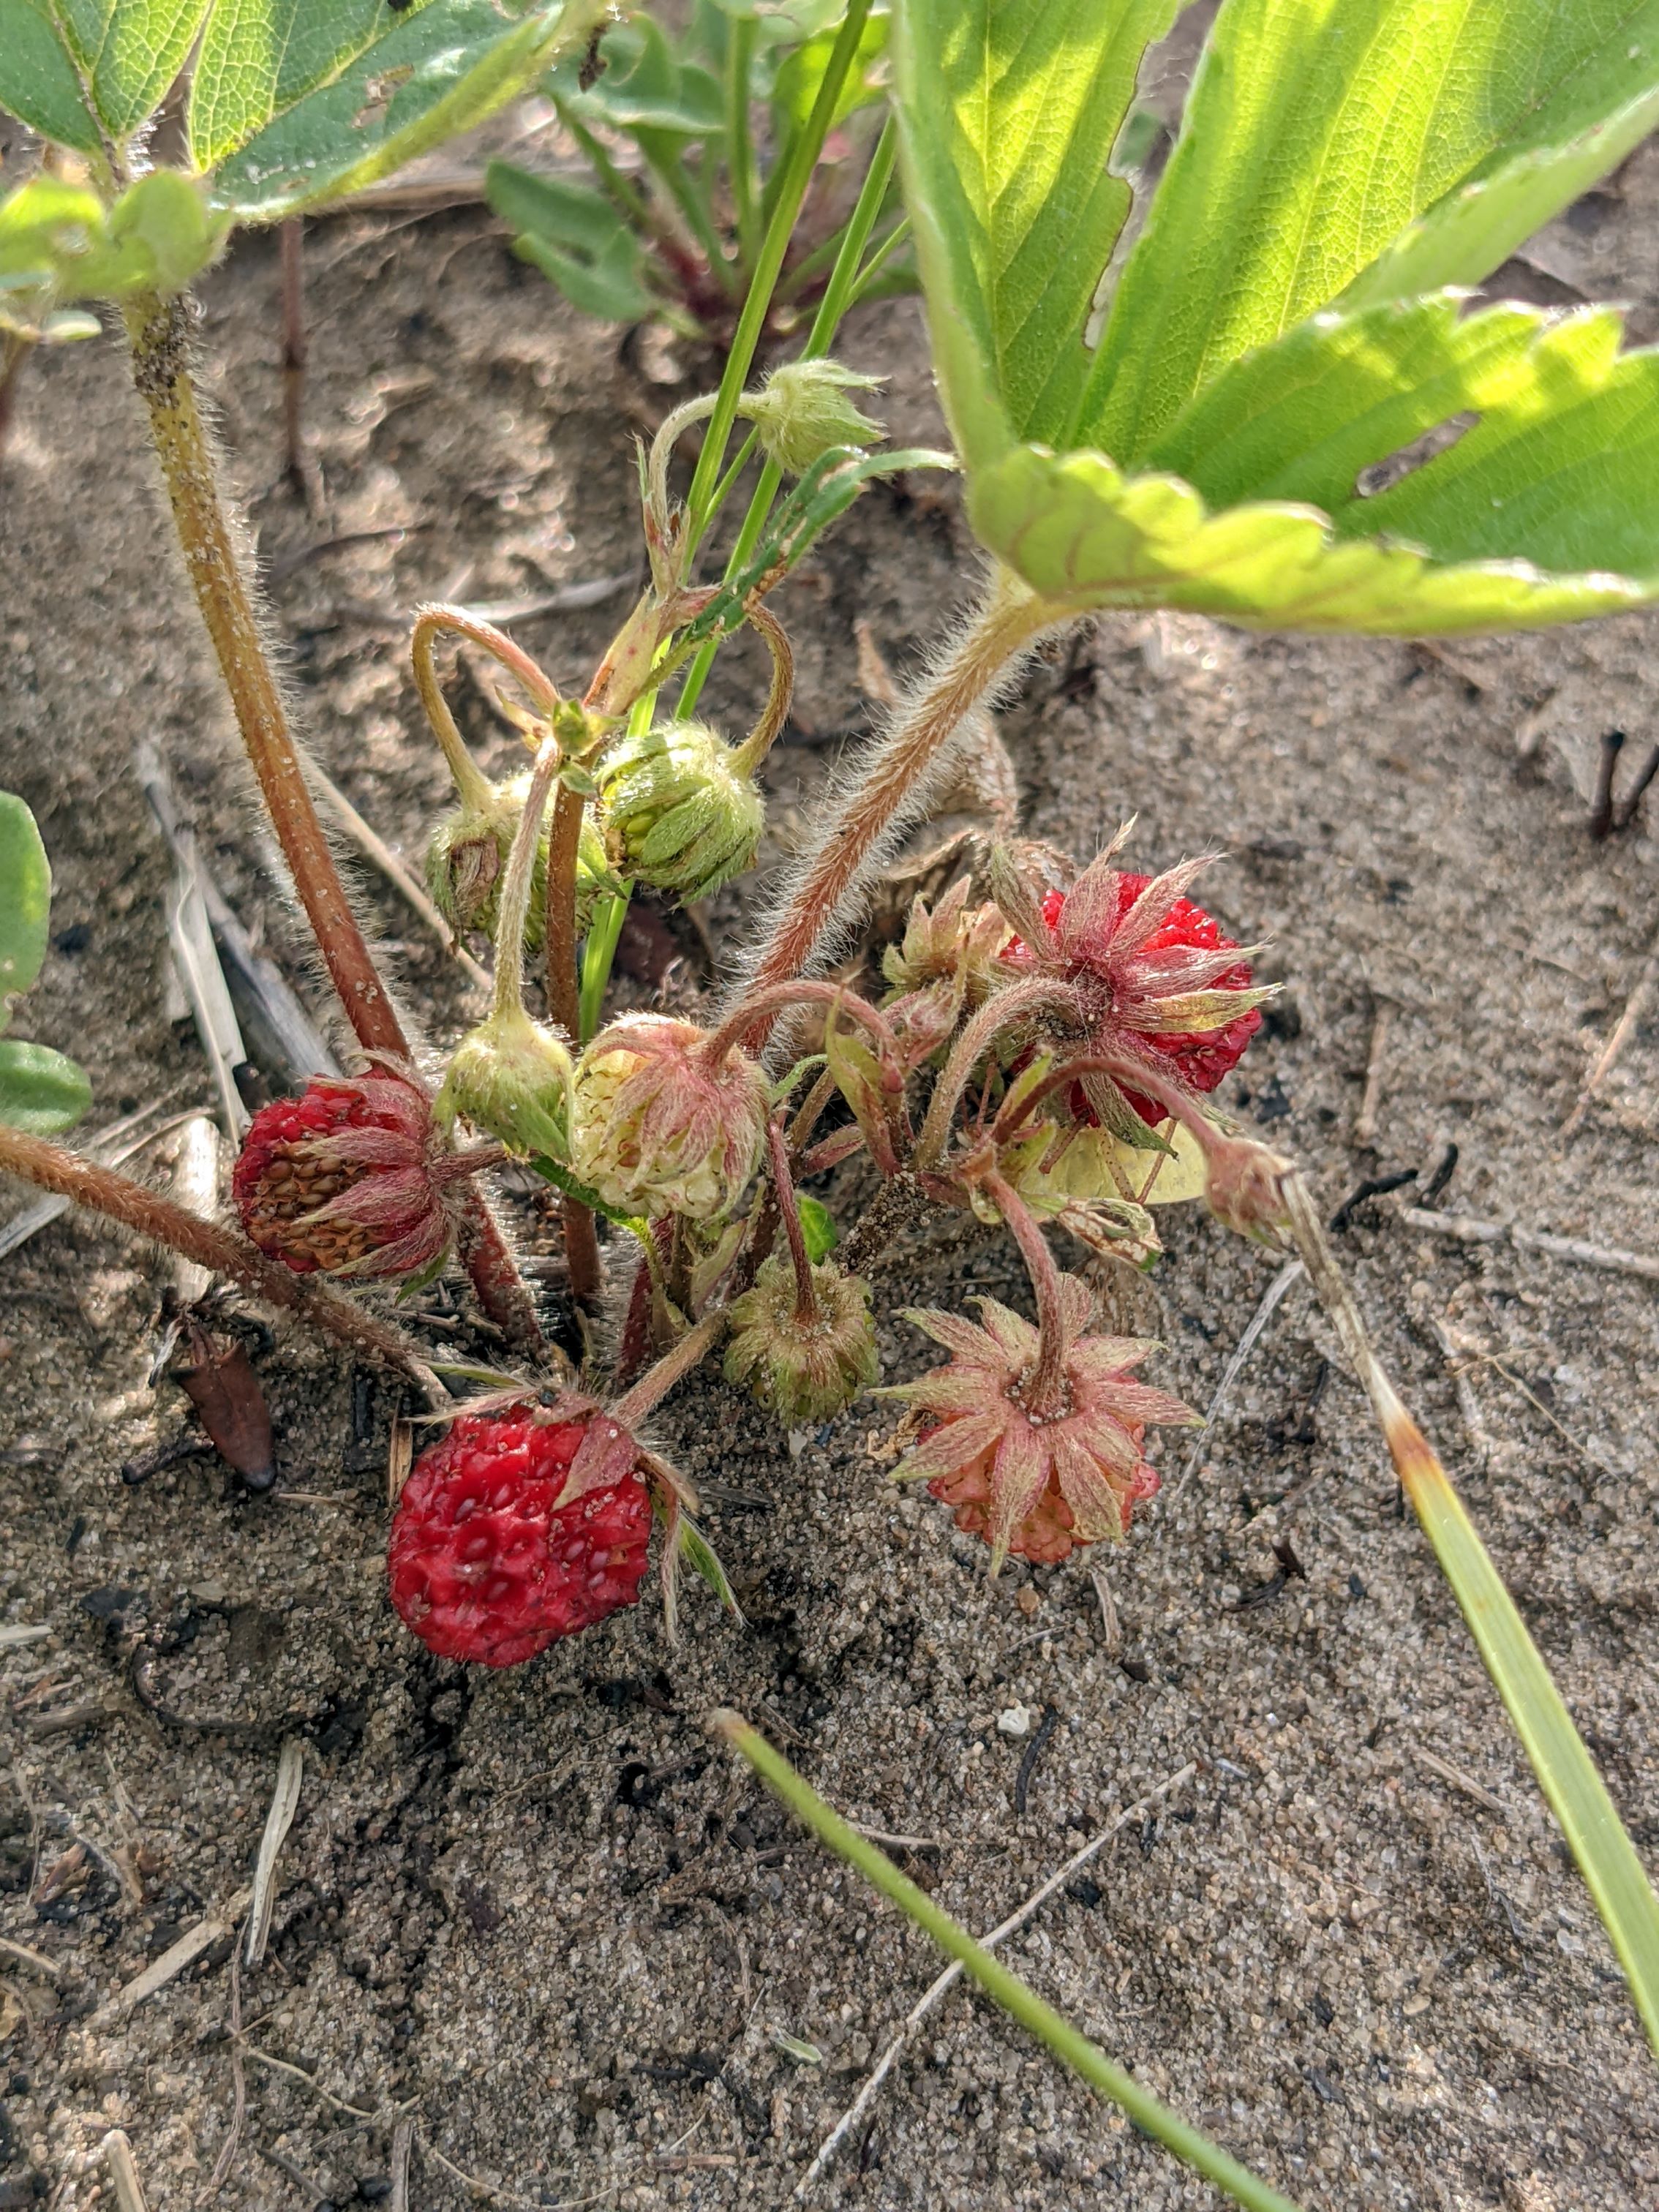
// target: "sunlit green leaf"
[[1316, 132], [40, 1092], [1084, 535], [25, 900], [128, 52], [290, 139], [1009, 109]]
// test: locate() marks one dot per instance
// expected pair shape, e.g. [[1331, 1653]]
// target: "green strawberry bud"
[[802, 410], [467, 859], [512, 1077], [679, 814]]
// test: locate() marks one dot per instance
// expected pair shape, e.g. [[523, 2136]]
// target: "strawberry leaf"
[[1009, 109], [42, 1092], [25, 900], [298, 102], [1317, 132]]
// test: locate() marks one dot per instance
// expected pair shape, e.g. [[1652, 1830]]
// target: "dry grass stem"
[[123, 2171], [1290, 1273], [1465, 1229], [937, 1988], [284, 1803], [173, 1960]]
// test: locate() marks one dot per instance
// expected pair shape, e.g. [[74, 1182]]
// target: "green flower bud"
[[678, 812], [512, 1077], [803, 1370], [658, 1129], [802, 410], [467, 859]]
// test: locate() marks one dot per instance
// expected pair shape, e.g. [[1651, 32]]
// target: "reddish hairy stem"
[[1044, 1394], [1037, 996], [806, 1296], [760, 1006], [775, 713], [161, 368], [657, 1382], [899, 762], [136, 1206]]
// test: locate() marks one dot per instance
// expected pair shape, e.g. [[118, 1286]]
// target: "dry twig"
[[1289, 1273], [1464, 1229], [1636, 1007]]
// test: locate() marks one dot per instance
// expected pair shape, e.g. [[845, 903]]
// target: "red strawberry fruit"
[[488, 1564], [1153, 977]]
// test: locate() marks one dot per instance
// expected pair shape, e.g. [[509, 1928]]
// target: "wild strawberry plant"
[[1194, 428], [672, 225]]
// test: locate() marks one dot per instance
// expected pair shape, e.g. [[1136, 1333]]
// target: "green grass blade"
[[1577, 1795], [1016, 1997]]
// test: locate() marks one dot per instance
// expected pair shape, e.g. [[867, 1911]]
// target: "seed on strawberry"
[[347, 1178], [487, 1565]]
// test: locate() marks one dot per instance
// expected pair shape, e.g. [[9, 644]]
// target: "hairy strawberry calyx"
[[663, 1125], [1036, 1468], [351, 1177]]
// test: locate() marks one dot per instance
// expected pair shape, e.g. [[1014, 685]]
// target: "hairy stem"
[[1044, 1394], [775, 713], [1018, 1003], [161, 368], [658, 1381], [581, 1244], [806, 1296], [512, 907], [136, 1206], [435, 621], [161, 372], [757, 1010], [890, 773]]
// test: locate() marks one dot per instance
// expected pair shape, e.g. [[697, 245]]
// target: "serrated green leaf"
[[802, 73], [430, 71], [262, 58], [575, 237], [1591, 119], [25, 900], [38, 83], [1083, 535], [1561, 469], [1316, 132], [1008, 110], [128, 52], [42, 1092], [644, 87], [817, 1227]]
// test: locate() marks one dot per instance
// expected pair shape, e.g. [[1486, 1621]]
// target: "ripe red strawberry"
[[485, 1562], [1153, 980], [348, 1178]]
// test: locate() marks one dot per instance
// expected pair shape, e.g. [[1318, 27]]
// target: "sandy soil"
[[538, 1914]]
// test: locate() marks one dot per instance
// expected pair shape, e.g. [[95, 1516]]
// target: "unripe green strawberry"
[[466, 860], [803, 1367]]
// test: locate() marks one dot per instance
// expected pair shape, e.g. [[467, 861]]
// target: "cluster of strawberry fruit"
[[1026, 1048]]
